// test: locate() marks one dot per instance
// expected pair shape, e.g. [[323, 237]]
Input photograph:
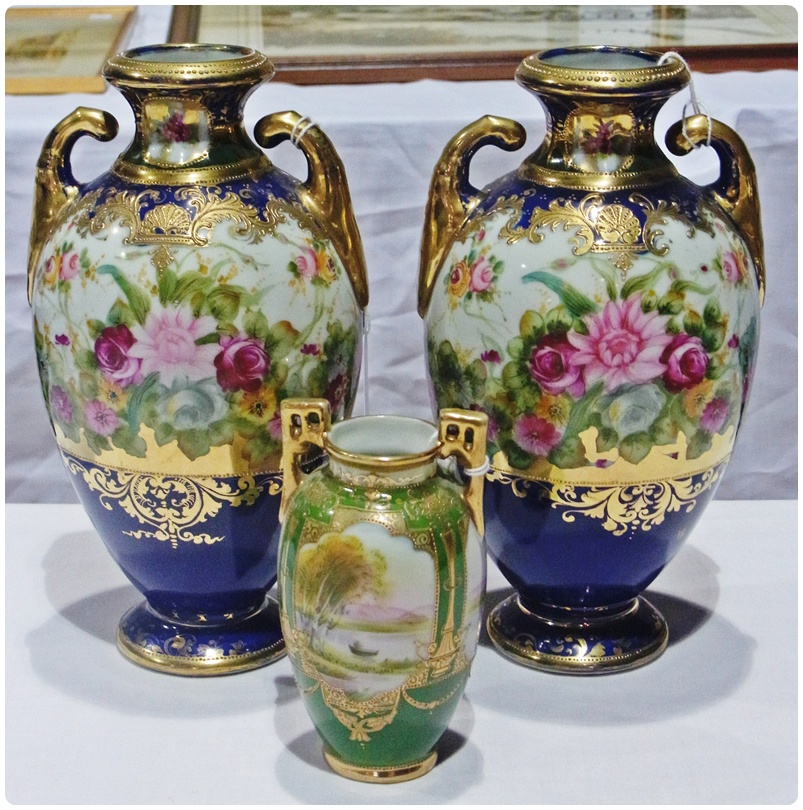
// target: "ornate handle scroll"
[[462, 434], [325, 192], [452, 197], [55, 185], [736, 189], [304, 422]]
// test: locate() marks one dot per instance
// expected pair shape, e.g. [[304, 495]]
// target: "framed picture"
[[342, 44], [61, 49]]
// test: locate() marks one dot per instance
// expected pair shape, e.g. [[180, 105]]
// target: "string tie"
[[697, 106], [481, 470], [300, 129]]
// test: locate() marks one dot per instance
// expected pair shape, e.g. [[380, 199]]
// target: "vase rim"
[[602, 70], [383, 442], [188, 64]]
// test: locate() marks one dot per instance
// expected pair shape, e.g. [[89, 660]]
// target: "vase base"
[[627, 639], [384, 774], [156, 643]]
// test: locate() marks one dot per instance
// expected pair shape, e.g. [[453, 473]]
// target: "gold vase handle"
[[451, 196], [463, 434], [304, 423], [325, 192], [736, 189], [56, 186]]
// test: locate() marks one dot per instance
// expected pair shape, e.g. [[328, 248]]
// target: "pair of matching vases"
[[591, 327]]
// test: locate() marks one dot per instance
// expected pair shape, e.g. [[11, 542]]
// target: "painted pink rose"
[[733, 267], [101, 418], [70, 265], [623, 346], [114, 361], [481, 275], [686, 363], [535, 435], [714, 414], [166, 344], [307, 263], [552, 366], [242, 363], [61, 404]]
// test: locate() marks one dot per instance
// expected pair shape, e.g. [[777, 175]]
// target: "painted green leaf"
[[531, 325], [85, 360], [168, 286], [635, 447], [256, 325], [193, 443], [700, 443], [224, 302], [137, 300], [577, 303], [95, 328], [641, 283], [570, 453], [128, 440], [517, 458]]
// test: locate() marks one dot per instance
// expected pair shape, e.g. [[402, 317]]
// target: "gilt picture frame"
[[62, 49], [357, 44]]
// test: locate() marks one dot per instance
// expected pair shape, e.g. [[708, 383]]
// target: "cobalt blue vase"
[[177, 299], [603, 311]]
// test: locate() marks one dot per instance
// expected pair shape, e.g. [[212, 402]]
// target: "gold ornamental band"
[[663, 463], [168, 459], [198, 665], [595, 181], [189, 176], [381, 775]]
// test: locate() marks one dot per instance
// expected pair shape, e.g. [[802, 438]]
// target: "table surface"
[[713, 720]]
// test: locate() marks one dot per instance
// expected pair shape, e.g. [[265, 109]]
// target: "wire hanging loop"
[[698, 108]]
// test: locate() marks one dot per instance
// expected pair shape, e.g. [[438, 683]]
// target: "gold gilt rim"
[[378, 463], [201, 175], [537, 73], [591, 181], [237, 65], [382, 774], [199, 666]]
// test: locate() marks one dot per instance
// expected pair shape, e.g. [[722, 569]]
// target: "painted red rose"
[[241, 364]]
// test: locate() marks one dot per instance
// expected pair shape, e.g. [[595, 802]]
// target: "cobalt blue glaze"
[[183, 580], [578, 564]]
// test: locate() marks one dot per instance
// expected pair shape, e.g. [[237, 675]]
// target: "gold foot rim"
[[198, 666], [385, 774], [521, 648]]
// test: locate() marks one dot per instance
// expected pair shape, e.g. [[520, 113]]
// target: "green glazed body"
[[380, 585]]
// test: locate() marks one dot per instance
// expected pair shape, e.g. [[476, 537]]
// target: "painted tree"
[[330, 574]]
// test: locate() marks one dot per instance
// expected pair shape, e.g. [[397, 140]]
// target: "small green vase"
[[381, 577]]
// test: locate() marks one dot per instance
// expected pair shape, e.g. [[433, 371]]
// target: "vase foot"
[[627, 639], [157, 643], [381, 775]]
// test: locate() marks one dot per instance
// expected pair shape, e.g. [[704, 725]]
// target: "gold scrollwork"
[[519, 486], [362, 717], [635, 507], [171, 223], [170, 505], [599, 227]]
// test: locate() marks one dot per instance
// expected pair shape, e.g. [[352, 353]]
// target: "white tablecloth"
[[389, 137], [712, 721]]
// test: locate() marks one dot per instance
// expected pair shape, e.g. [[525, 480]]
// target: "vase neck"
[[601, 104], [382, 451], [188, 105]]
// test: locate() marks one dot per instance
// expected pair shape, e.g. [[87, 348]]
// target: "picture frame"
[[62, 49], [358, 44]]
